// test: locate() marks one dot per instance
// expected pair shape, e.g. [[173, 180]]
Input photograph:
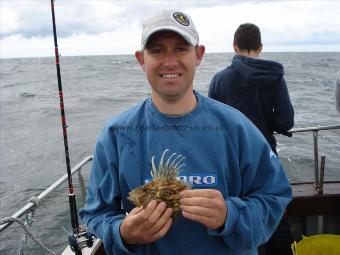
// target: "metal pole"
[[308, 129], [316, 158], [322, 174]]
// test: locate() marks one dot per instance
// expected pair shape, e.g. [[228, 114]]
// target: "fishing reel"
[[80, 241]]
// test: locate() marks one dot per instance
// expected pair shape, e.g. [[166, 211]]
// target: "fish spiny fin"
[[168, 161], [161, 168], [180, 166], [178, 161], [153, 170], [169, 169], [173, 162]]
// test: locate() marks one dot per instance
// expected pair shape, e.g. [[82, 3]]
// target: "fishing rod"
[[79, 239]]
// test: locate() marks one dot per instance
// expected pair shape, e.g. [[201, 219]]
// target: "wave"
[[9, 85], [27, 94]]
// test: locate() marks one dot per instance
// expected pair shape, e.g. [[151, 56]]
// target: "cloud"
[[33, 18], [310, 22], [24, 18], [114, 27], [281, 22]]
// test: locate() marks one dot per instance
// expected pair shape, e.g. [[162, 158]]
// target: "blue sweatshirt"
[[257, 88], [223, 151]]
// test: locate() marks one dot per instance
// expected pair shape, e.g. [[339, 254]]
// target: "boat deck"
[[308, 201], [312, 213]]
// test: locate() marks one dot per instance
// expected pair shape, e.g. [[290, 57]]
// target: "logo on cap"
[[181, 18]]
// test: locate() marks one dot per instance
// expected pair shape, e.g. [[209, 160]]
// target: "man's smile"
[[170, 75]]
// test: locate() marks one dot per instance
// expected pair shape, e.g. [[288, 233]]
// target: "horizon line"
[[127, 54]]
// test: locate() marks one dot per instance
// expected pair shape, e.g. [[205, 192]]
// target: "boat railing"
[[318, 183], [318, 172], [30, 205], [318, 177]]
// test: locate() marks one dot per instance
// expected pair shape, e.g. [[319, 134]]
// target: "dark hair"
[[248, 37]]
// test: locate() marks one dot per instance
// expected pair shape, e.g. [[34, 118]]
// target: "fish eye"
[[166, 194]]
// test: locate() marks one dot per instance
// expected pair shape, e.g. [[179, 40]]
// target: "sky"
[[103, 27]]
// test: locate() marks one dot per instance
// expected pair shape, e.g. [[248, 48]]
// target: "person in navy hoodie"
[[257, 88], [239, 188], [254, 86]]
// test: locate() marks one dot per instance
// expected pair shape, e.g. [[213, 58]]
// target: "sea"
[[99, 87]]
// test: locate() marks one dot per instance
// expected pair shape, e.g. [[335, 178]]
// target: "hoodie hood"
[[257, 72]]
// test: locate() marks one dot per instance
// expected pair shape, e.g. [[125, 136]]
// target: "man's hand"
[[147, 225], [206, 206]]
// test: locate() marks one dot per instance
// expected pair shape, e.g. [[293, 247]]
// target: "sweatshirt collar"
[[185, 118]]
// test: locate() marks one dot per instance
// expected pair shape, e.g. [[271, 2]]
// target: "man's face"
[[169, 63]]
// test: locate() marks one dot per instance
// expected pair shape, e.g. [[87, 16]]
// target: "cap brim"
[[185, 35]]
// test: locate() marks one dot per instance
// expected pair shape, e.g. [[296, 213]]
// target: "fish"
[[164, 187]]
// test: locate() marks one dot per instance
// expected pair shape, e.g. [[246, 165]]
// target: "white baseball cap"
[[172, 20]]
